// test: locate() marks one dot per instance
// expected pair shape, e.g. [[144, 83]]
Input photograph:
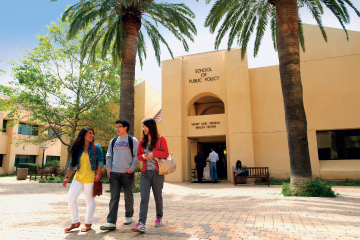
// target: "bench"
[[42, 173], [255, 172]]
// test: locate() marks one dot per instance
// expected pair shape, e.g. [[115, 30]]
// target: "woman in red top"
[[148, 150]]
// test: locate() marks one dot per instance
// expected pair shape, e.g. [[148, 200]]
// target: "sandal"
[[72, 226], [86, 228]]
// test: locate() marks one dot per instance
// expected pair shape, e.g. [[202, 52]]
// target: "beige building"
[[12, 153], [213, 100], [220, 103]]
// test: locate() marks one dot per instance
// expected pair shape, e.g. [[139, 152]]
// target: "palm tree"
[[117, 28], [242, 18]]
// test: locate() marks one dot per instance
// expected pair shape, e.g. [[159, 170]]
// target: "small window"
[[4, 126], [52, 158], [27, 129], [52, 134], [1, 159], [24, 159], [338, 144]]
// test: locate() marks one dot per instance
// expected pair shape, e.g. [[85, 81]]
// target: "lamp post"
[[43, 147]]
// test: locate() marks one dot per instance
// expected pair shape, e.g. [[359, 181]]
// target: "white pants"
[[74, 192]]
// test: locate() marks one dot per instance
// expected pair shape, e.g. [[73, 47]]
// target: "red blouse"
[[163, 153]]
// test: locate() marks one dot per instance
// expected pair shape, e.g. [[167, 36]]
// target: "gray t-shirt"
[[238, 169], [150, 163], [122, 159]]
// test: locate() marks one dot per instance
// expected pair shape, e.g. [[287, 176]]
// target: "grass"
[[60, 179], [274, 182], [11, 175], [331, 183], [313, 188]]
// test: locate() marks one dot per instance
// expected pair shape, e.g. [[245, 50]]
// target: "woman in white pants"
[[83, 156]]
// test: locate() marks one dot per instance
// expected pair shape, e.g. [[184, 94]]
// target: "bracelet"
[[66, 177]]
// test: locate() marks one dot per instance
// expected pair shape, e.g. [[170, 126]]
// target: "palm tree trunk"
[[296, 124], [127, 92]]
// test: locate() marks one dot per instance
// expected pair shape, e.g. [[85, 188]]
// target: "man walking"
[[213, 158], [200, 164], [121, 161]]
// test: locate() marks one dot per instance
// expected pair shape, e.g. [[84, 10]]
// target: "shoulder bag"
[[166, 165], [97, 188]]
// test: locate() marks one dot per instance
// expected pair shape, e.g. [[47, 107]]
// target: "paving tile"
[[250, 212]]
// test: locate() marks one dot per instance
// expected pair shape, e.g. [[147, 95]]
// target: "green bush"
[[312, 188], [53, 163], [30, 166]]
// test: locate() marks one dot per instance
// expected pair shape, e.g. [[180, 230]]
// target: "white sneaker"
[[108, 226], [127, 220]]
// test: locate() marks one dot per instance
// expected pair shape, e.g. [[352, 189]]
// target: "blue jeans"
[[213, 171], [116, 181], [244, 173]]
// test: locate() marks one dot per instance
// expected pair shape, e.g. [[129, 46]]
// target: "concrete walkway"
[[32, 210]]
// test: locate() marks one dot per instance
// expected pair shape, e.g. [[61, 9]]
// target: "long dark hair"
[[151, 124], [78, 145], [238, 163]]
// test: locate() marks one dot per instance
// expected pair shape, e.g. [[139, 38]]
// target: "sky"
[[21, 20]]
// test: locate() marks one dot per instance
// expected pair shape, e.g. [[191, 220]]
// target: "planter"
[[21, 173]]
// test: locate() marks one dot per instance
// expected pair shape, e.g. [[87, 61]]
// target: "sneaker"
[[127, 220], [108, 226], [158, 222], [139, 227]]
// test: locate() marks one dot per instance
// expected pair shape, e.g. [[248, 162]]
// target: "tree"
[[119, 23], [62, 92], [242, 18], [2, 72]]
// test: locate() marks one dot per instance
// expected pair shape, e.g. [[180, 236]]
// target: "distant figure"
[[239, 171], [213, 158], [200, 164], [206, 175]]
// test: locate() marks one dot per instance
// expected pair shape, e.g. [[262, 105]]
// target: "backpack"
[[130, 140]]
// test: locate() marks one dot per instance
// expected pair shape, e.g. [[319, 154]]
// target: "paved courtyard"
[[32, 210]]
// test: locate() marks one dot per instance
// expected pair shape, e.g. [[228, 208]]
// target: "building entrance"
[[219, 146]]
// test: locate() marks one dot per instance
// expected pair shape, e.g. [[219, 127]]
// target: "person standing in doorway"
[[200, 164], [121, 161], [151, 146], [213, 158]]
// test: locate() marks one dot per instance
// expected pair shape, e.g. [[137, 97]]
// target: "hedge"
[[31, 166]]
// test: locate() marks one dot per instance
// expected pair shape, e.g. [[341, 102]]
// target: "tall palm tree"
[[117, 28], [242, 18]]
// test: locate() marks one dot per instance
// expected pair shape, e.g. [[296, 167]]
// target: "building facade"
[[220, 103], [14, 150]]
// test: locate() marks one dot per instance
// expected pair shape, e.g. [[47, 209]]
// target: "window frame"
[[339, 142], [29, 128]]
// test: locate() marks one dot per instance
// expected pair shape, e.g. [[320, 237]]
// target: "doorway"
[[219, 146]]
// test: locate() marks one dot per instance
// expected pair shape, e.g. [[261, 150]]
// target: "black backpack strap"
[[112, 146], [131, 144]]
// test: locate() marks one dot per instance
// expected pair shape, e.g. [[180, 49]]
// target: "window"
[[24, 159], [52, 158], [338, 144], [1, 159], [51, 133], [4, 126], [27, 129]]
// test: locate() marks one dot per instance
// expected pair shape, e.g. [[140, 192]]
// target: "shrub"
[[312, 188], [53, 163], [30, 166]]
